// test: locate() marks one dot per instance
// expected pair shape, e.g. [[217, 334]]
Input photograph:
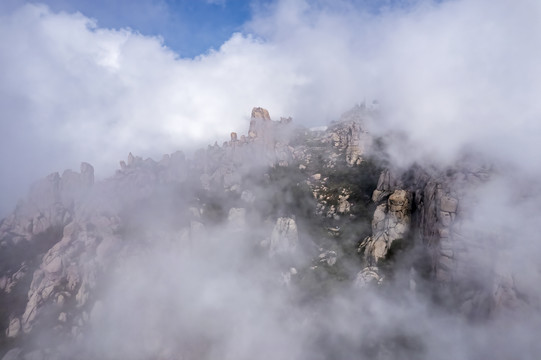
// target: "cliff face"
[[312, 208], [62, 242]]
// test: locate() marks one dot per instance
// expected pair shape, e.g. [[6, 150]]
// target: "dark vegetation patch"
[[290, 195], [215, 205], [359, 181]]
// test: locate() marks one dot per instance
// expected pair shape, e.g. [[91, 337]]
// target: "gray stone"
[[446, 252], [367, 276], [63, 317], [448, 204], [54, 265], [14, 328], [87, 174], [284, 237], [328, 257], [237, 217], [446, 263], [445, 218]]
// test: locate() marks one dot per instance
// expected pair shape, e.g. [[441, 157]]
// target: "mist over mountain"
[[402, 228], [450, 73], [281, 243]]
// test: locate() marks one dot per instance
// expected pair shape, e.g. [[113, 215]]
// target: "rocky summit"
[[283, 243]]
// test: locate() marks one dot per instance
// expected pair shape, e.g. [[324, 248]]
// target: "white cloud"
[[449, 74], [75, 92], [452, 74]]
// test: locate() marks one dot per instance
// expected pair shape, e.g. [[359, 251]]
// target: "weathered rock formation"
[[284, 237], [266, 145], [307, 200], [59, 244], [391, 223], [350, 136], [422, 210]]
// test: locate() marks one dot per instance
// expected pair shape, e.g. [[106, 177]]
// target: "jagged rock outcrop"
[[391, 223], [70, 270], [34, 227], [265, 145], [306, 199], [237, 218], [76, 230], [64, 237], [425, 209], [350, 136], [284, 237], [435, 211], [260, 124]]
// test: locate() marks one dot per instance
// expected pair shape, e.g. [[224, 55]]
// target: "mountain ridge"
[[319, 210]]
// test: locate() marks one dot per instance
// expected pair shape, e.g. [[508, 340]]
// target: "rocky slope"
[[424, 210], [317, 207]]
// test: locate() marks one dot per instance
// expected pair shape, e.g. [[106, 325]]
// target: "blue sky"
[[188, 27]]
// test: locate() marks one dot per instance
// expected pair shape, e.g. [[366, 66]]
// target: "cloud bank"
[[451, 75]]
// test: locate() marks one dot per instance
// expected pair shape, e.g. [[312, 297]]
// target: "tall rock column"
[[391, 223], [284, 237]]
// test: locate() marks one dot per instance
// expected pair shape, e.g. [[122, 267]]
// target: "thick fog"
[[450, 74], [452, 78], [217, 294]]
